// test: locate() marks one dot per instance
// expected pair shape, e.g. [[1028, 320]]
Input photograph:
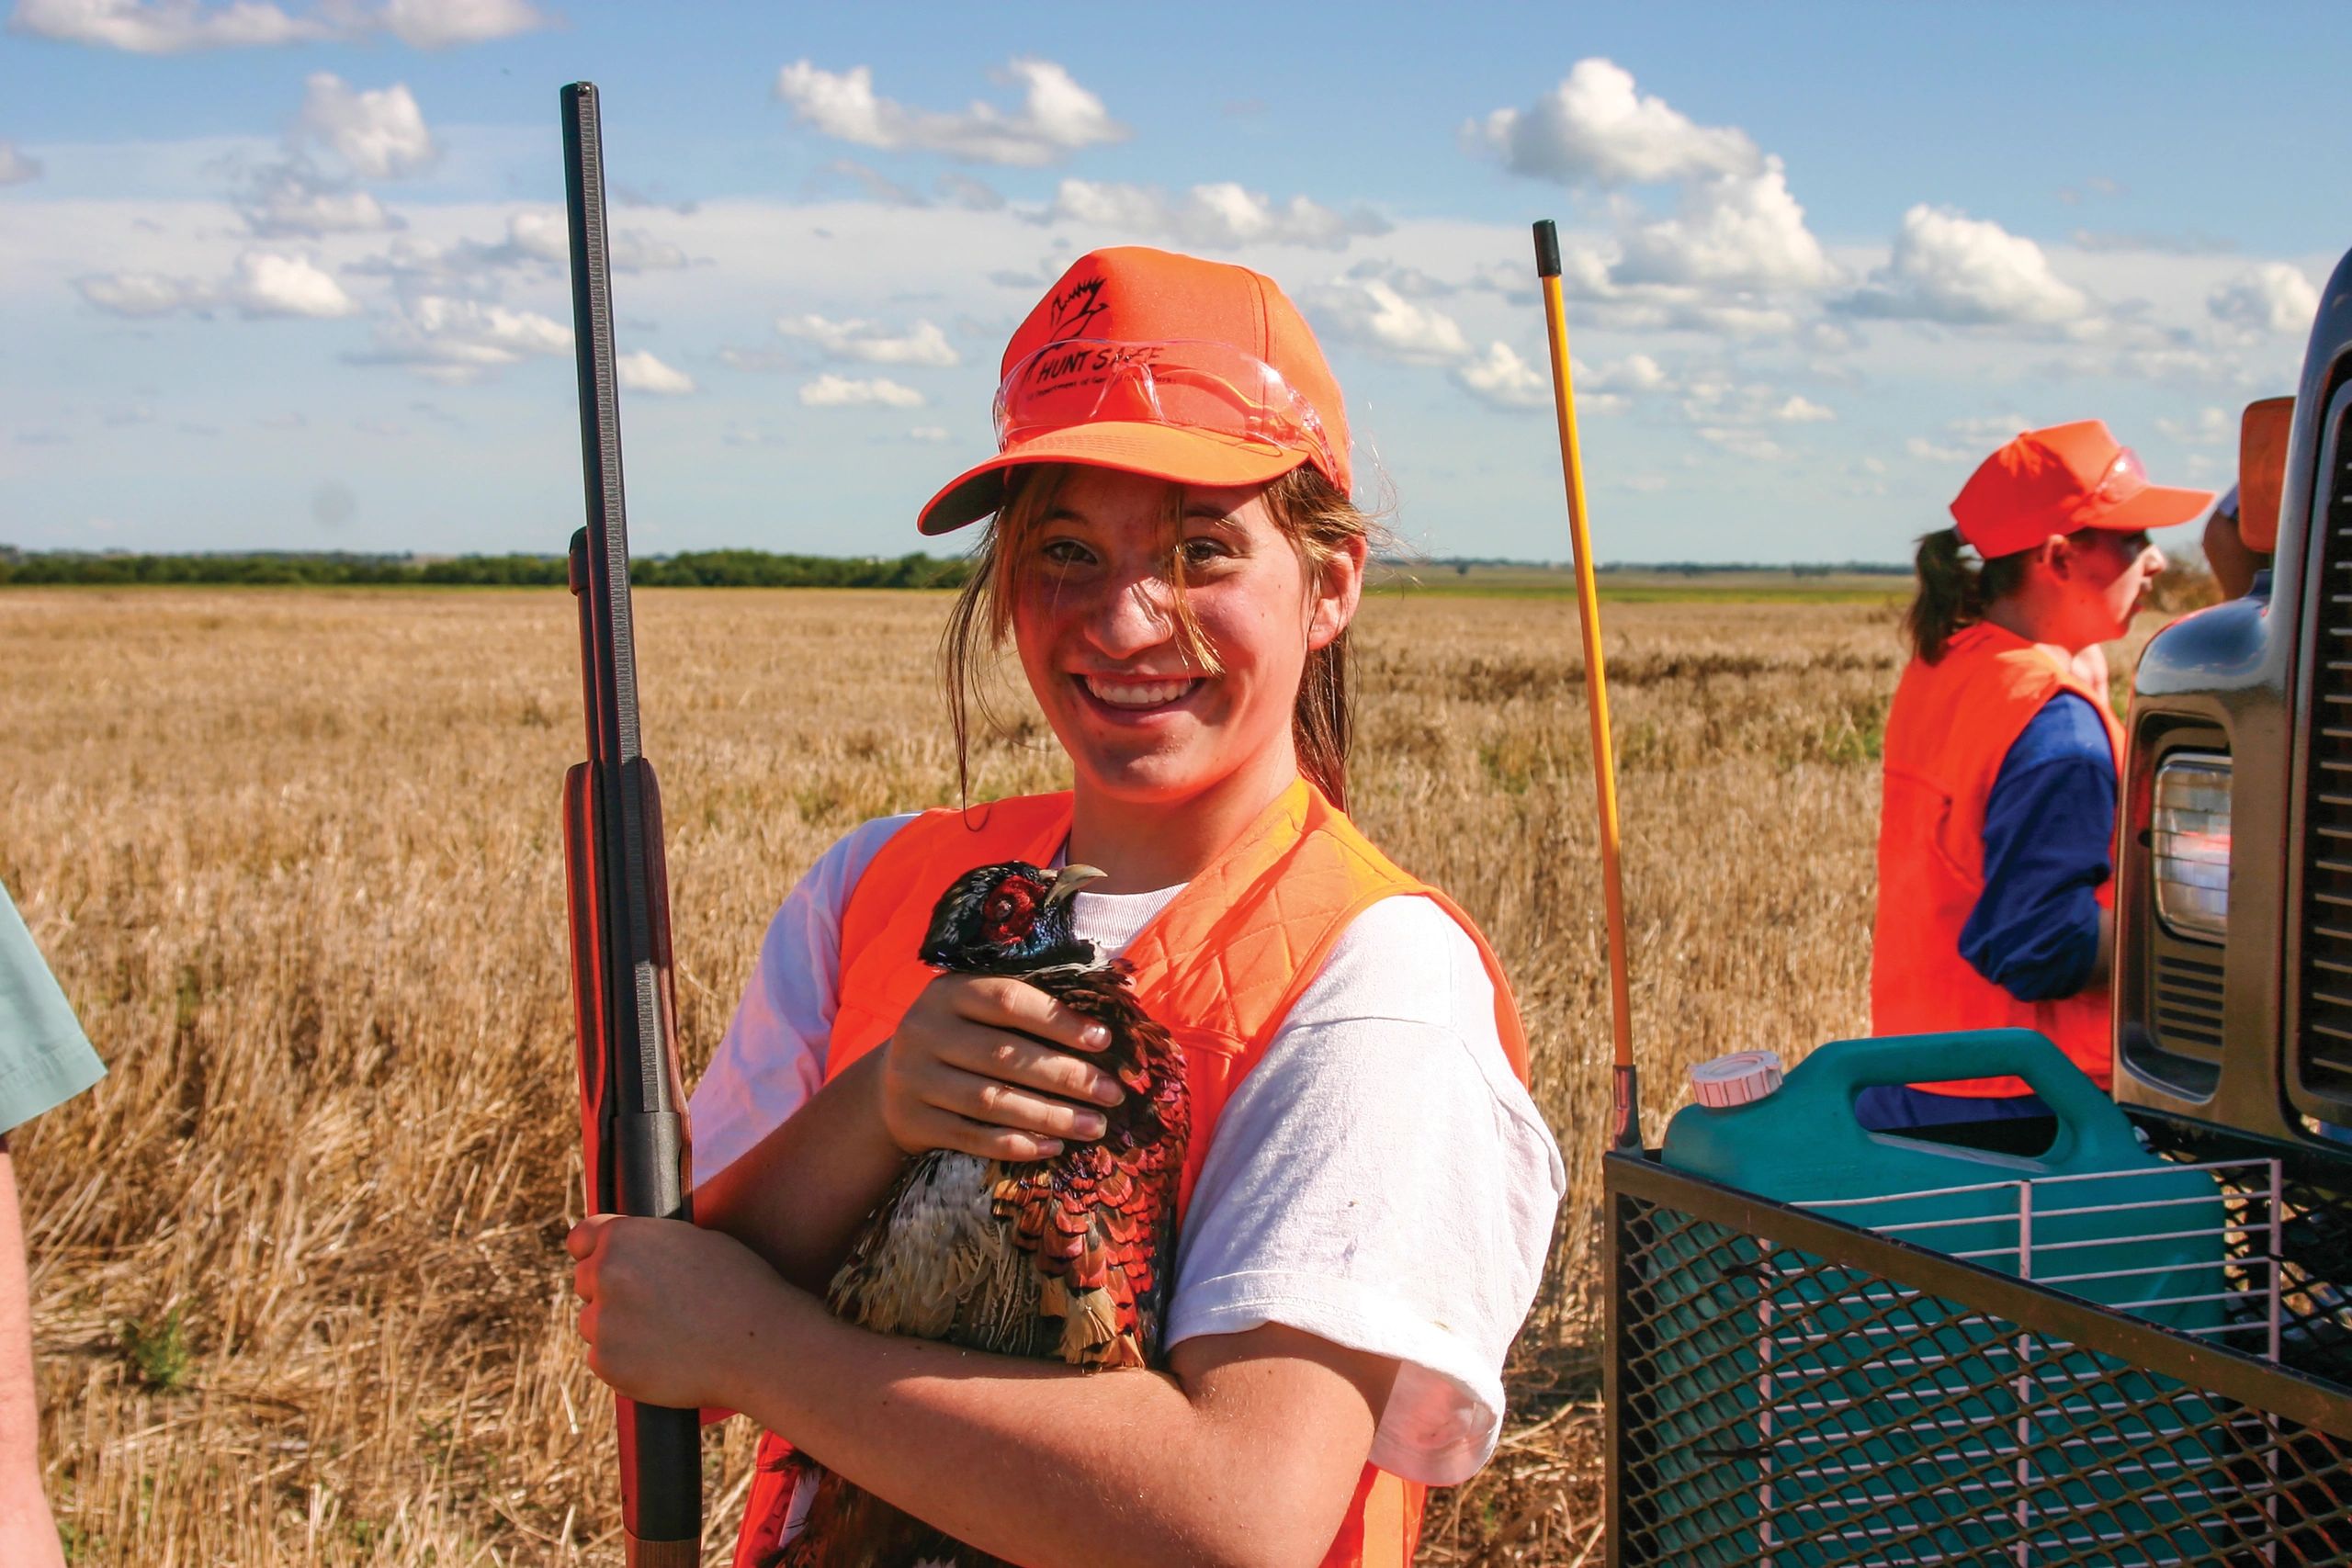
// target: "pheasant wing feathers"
[[1095, 1221], [1065, 1259]]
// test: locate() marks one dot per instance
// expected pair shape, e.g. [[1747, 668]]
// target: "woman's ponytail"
[[1953, 593], [1951, 596]]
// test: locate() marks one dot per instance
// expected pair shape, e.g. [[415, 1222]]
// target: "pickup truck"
[[2233, 901], [1784, 1387]]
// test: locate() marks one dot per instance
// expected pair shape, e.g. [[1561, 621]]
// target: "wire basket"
[[1788, 1388]]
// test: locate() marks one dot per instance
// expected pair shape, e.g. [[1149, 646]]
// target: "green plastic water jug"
[[1798, 1389]]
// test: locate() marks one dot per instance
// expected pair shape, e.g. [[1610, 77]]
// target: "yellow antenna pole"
[[1627, 1133]]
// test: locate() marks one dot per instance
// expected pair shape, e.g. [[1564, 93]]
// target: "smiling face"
[[1148, 714]]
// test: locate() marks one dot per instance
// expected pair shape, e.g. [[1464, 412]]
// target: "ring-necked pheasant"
[[1067, 1258]]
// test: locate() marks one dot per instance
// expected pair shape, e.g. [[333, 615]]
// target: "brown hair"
[[1311, 510]]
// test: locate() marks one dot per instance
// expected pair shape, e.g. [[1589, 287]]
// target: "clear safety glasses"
[[1208, 386]]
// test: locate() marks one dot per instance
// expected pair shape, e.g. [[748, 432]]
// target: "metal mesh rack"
[[1786, 1388], [2312, 1244]]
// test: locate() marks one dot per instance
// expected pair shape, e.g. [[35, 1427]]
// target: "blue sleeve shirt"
[[2049, 828]]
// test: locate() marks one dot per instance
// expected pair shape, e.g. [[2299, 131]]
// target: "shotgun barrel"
[[632, 1116]]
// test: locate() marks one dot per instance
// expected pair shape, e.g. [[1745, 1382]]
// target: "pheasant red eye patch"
[[1010, 910], [1007, 919]]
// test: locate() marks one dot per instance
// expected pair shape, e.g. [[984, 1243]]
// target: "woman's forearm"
[[1045, 1464], [798, 1198], [28, 1532]]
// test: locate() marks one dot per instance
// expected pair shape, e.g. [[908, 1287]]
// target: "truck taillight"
[[2190, 838]]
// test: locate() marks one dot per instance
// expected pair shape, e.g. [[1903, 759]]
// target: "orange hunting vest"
[[1951, 725], [1221, 966]]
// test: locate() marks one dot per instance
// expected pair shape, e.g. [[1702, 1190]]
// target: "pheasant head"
[[1009, 919]]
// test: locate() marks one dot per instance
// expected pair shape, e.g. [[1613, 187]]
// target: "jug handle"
[[1848, 1066]]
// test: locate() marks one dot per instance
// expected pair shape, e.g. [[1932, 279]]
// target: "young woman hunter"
[[1995, 853], [1367, 1193]]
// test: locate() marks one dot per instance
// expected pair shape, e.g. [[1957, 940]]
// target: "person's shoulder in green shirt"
[[45, 1059]]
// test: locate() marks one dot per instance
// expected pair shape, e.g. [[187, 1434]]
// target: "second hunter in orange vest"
[[1953, 723]]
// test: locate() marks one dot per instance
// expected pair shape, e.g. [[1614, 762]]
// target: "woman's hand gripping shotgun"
[[632, 1120]]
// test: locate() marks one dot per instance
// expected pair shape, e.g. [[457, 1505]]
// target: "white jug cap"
[[1736, 1079]]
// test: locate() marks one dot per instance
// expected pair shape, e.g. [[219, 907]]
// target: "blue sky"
[[288, 275]]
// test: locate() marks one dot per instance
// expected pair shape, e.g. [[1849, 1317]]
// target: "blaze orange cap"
[[2059, 480], [1131, 295]]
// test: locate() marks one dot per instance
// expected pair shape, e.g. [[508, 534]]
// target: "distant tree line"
[[688, 568], [1794, 569], [1462, 565]]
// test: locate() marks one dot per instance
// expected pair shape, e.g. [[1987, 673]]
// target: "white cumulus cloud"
[[1057, 116], [541, 236], [381, 134], [872, 343], [1594, 127], [181, 27], [1714, 401], [1734, 232], [1947, 266], [459, 341], [634, 250], [1369, 311], [1219, 214], [830, 391], [1500, 376], [1984, 432], [1741, 442], [262, 284], [1636, 373], [293, 198], [641, 372], [447, 24], [1929, 451], [142, 293], [167, 26], [269, 284], [2273, 297], [16, 167], [536, 241]]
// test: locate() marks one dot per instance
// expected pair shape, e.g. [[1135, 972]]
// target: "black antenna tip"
[[1547, 249]]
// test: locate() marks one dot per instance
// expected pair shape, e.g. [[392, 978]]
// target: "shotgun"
[[632, 1120]]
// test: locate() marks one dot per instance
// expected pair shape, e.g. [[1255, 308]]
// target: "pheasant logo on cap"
[[1076, 307]]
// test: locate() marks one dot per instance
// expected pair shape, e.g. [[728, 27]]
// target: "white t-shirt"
[[1379, 1180]]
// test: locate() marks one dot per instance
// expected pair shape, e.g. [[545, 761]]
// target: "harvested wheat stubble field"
[[295, 856]]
